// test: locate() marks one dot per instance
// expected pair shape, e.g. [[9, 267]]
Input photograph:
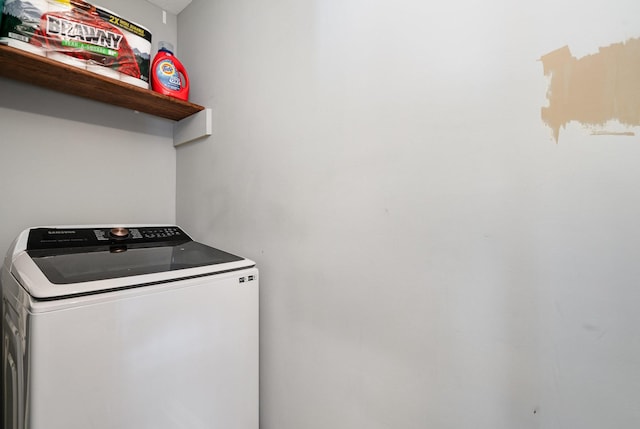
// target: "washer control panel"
[[60, 238]]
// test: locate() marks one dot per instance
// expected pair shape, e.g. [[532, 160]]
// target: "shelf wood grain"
[[37, 70]]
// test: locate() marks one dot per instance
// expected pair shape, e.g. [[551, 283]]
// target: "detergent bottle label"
[[167, 75]]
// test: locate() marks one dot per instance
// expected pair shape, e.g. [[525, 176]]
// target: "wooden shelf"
[[37, 70]]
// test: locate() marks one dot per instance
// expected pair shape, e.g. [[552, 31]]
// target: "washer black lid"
[[76, 255]]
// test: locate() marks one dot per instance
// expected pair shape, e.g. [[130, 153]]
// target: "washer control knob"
[[119, 233]]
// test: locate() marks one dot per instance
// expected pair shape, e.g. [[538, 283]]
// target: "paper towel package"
[[80, 34]]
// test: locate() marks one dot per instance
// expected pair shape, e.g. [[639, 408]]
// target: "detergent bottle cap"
[[165, 46]]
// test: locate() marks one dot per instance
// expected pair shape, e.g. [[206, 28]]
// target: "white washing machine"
[[127, 327]]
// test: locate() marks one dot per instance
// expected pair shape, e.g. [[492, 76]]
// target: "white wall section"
[[430, 257]]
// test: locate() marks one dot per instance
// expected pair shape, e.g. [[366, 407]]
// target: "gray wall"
[[430, 256], [67, 160]]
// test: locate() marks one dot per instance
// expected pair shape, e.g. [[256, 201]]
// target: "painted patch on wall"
[[594, 90]]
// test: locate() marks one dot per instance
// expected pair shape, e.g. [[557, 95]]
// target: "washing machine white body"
[[168, 349]]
